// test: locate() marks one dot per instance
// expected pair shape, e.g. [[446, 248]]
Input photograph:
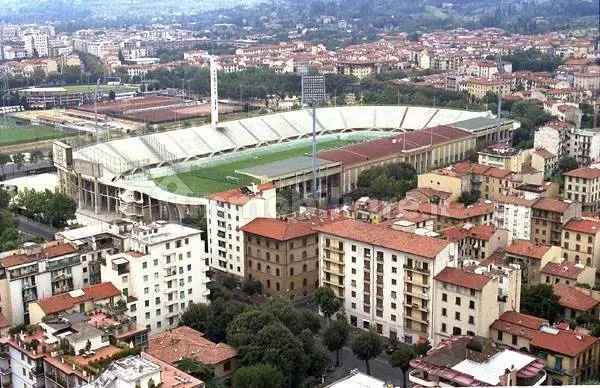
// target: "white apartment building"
[[514, 215], [563, 139], [161, 271], [384, 275], [464, 303], [36, 42], [227, 213], [130, 372], [36, 272]]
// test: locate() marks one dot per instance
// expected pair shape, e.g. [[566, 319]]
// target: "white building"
[[563, 139], [37, 272], [384, 275], [161, 271], [129, 372], [36, 43], [513, 214], [227, 213]]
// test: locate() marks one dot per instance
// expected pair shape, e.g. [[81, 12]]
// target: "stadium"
[[170, 175]]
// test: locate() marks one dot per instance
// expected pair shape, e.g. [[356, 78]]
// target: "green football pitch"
[[223, 176], [13, 131]]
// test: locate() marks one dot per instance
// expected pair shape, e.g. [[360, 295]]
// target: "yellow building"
[[580, 241], [570, 357]]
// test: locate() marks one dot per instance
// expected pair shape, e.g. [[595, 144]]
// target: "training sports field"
[[222, 176], [14, 131]]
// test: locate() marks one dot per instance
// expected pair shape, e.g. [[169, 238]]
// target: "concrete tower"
[[214, 93]]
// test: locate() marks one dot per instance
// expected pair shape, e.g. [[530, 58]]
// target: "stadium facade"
[[118, 177]]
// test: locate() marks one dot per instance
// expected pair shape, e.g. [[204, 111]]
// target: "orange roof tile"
[[462, 278], [62, 302], [185, 342], [563, 270], [457, 210], [47, 252], [278, 229], [565, 342], [583, 226], [386, 237], [584, 172], [572, 298], [237, 197], [552, 205], [527, 248]]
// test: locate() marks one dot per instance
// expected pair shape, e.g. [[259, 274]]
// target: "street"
[[34, 229], [380, 368]]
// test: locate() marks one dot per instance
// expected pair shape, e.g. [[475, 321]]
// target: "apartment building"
[[544, 160], [505, 157], [570, 357], [480, 87], [452, 214], [583, 185], [567, 273], [471, 361], [531, 257], [548, 217], [580, 240], [513, 214], [564, 139], [383, 275], [464, 303], [227, 213], [36, 272], [161, 270], [36, 44], [476, 242], [283, 255]]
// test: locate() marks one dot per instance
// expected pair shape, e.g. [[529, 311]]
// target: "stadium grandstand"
[[143, 177]]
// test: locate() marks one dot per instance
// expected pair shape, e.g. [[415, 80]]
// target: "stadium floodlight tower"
[[214, 93], [313, 95]]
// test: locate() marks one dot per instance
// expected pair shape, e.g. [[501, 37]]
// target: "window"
[[457, 301], [499, 336], [471, 320], [515, 340], [472, 304], [457, 316], [444, 297], [444, 328], [444, 312]]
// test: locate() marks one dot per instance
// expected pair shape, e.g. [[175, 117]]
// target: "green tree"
[[195, 369], [195, 316], [567, 163], [539, 300], [336, 336], [242, 328], [257, 376], [367, 346], [468, 198], [401, 359], [328, 303], [5, 159], [18, 159]]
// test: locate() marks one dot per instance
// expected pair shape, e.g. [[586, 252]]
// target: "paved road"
[[380, 367], [35, 229]]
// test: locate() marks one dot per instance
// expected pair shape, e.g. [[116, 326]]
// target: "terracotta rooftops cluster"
[[68, 300], [462, 278]]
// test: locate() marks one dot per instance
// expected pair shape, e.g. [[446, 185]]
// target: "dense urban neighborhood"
[[299, 194]]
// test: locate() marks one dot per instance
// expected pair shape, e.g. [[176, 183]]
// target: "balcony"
[[417, 269], [417, 377], [334, 271], [334, 248]]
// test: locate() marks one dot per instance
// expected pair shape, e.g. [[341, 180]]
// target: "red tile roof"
[[405, 143], [62, 302], [185, 342], [563, 270], [527, 248], [584, 172], [462, 278], [480, 232], [457, 210], [565, 342], [572, 298], [583, 226], [386, 237], [237, 197], [552, 205], [47, 252], [277, 229]]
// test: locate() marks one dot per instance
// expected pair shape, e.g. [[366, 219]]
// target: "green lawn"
[[16, 132], [223, 177]]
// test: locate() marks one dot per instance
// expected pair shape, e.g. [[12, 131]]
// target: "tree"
[[257, 376], [252, 287], [328, 303], [243, 327], [367, 346], [567, 163], [195, 316], [540, 300], [111, 95], [401, 359], [468, 198], [18, 159], [5, 159], [421, 348], [336, 336], [4, 199], [195, 369]]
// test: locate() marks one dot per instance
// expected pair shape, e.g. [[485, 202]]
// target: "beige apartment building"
[[531, 257], [384, 275], [548, 217], [580, 241], [282, 255], [568, 274], [583, 185], [464, 303]]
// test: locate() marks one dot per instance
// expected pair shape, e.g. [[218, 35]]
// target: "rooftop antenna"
[[313, 95]]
